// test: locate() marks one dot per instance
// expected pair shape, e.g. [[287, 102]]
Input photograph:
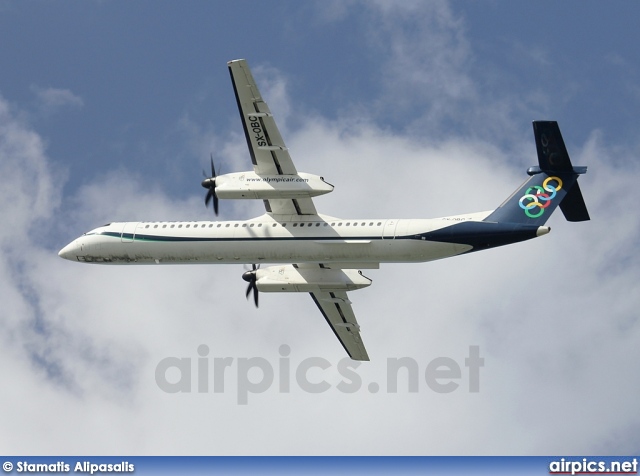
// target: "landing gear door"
[[128, 232]]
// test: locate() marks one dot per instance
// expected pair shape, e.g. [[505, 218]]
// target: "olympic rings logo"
[[540, 196]]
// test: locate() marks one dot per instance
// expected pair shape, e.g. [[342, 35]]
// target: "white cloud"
[[23, 168], [424, 56], [53, 99]]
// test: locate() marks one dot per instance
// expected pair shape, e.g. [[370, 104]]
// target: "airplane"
[[319, 254]]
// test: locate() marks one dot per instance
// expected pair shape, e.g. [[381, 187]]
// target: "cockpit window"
[[95, 231]]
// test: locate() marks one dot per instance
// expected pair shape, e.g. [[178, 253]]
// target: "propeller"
[[210, 184], [251, 278]]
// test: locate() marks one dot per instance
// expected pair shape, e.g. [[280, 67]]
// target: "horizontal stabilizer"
[[573, 205]]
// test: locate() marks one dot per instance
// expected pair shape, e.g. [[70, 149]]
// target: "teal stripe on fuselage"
[[165, 239]]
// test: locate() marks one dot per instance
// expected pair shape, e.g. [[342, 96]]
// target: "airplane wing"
[[270, 156], [336, 309], [268, 151]]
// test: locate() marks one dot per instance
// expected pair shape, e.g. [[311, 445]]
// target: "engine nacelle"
[[251, 185], [289, 279]]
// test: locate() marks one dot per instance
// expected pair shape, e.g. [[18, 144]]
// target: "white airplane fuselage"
[[313, 239]]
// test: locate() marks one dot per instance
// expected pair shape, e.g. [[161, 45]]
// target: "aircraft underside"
[[245, 242], [293, 248]]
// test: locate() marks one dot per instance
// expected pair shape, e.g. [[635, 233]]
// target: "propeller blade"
[[210, 184], [251, 278], [252, 287], [207, 198], [255, 294]]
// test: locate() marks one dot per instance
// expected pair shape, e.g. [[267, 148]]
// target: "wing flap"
[[336, 309]]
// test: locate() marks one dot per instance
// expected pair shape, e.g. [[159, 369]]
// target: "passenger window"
[[295, 224], [235, 226], [379, 223], [180, 226], [147, 226], [244, 225], [172, 226], [227, 225]]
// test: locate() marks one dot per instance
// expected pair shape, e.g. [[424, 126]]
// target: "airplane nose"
[[69, 251]]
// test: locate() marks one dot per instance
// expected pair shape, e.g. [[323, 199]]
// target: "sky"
[[109, 111]]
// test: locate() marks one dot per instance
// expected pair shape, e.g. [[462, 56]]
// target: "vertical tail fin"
[[552, 183]]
